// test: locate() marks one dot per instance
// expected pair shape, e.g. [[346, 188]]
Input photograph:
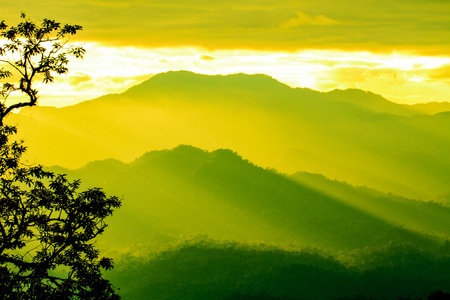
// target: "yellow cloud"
[[304, 19], [207, 57], [399, 85], [254, 24], [442, 73], [79, 78]]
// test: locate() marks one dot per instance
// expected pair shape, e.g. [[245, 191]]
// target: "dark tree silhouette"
[[439, 295], [33, 51], [47, 227]]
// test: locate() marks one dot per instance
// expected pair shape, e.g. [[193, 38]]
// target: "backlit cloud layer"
[[254, 24], [398, 77], [399, 49]]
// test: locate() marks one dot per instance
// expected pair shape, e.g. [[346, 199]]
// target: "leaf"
[[3, 26], [4, 73]]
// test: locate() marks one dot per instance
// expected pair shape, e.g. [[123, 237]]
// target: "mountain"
[[371, 101], [187, 191], [54, 144], [351, 135], [201, 224], [430, 108], [413, 214]]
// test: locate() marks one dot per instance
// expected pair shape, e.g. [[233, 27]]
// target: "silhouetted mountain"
[[185, 191], [421, 216], [430, 108], [383, 246], [351, 135], [370, 101]]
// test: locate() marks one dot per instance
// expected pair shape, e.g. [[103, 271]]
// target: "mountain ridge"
[[265, 121], [243, 81], [430, 108], [186, 190]]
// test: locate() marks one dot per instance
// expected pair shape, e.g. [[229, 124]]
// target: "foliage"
[[47, 227], [203, 269], [33, 51], [48, 230]]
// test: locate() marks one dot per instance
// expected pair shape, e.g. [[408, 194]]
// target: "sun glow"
[[400, 77]]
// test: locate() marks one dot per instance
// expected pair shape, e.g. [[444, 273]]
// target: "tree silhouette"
[[47, 227], [438, 295], [33, 51]]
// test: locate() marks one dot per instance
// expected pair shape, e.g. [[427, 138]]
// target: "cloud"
[[111, 84], [361, 74], [207, 57], [442, 73], [304, 19], [410, 85], [79, 78], [254, 24], [399, 76], [94, 85]]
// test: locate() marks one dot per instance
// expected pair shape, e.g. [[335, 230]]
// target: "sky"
[[399, 49]]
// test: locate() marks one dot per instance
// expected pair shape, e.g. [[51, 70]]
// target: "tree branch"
[[12, 65], [32, 102], [17, 262]]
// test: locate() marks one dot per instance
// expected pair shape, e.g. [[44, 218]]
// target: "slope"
[[427, 217], [188, 191], [267, 122], [429, 108], [371, 101], [200, 269]]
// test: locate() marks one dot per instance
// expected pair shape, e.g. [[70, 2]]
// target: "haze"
[[392, 48], [263, 149]]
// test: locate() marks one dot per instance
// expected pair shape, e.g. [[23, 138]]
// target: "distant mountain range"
[[351, 135], [227, 193], [187, 191], [430, 108]]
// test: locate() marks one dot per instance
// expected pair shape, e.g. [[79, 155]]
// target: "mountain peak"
[[188, 75], [371, 101], [173, 81]]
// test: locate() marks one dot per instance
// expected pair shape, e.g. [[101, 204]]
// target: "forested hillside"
[[351, 135], [187, 191]]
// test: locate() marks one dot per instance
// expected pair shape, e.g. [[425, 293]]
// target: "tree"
[[33, 51], [47, 226], [439, 295]]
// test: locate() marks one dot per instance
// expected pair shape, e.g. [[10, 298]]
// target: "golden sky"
[[400, 49]]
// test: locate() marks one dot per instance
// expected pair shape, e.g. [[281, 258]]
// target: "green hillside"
[[258, 221], [187, 191], [420, 216], [203, 225], [350, 135], [205, 269]]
